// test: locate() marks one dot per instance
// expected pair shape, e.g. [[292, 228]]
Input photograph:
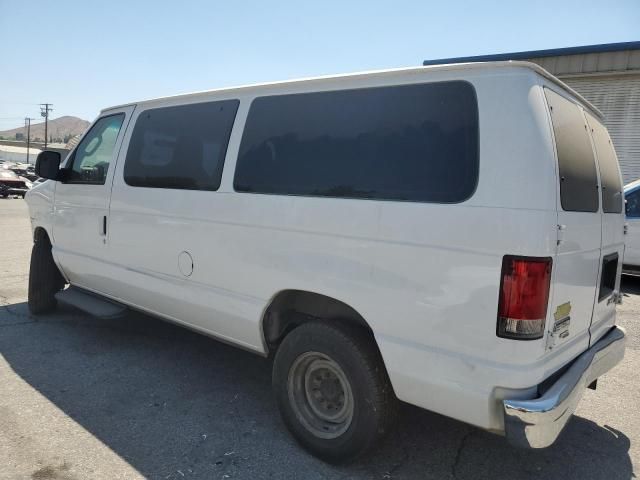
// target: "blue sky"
[[83, 56]]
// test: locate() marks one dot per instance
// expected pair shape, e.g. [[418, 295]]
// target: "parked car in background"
[[12, 184], [450, 236], [25, 170], [632, 241]]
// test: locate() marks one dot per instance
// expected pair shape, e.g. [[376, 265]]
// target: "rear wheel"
[[332, 390], [44, 278]]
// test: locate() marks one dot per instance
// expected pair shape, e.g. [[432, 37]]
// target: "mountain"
[[60, 129]]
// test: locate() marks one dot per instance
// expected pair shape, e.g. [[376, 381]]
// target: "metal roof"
[[554, 52]]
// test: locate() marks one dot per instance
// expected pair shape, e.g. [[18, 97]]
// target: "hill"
[[60, 129]]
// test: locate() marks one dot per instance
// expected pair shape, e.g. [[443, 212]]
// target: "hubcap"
[[320, 395]]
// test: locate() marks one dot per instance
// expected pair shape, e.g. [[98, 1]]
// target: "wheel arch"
[[291, 307], [40, 233]]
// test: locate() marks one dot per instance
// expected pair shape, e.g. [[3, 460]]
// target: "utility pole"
[[27, 122], [45, 108]]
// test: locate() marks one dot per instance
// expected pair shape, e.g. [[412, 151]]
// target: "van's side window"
[[91, 158], [633, 204], [181, 147], [578, 177], [608, 166], [412, 142]]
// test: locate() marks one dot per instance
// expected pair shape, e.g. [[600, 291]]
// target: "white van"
[[449, 236]]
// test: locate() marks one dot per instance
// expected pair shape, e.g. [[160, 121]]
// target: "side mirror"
[[48, 165]]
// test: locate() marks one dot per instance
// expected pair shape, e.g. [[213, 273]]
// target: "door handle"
[[103, 226]]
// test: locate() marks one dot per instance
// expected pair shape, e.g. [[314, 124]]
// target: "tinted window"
[[92, 156], [578, 178], [414, 142], [180, 147], [610, 182], [633, 204]]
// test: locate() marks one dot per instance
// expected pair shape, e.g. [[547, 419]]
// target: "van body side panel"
[[425, 276]]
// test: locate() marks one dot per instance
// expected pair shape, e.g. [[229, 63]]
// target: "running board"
[[92, 304]]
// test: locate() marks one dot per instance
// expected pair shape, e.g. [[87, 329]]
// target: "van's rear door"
[[612, 229], [577, 263]]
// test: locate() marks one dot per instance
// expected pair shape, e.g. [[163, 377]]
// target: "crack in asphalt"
[[461, 447]]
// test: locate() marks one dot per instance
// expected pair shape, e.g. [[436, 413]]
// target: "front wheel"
[[332, 389], [44, 278]]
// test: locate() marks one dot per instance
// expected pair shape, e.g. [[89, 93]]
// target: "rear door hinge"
[[561, 229], [551, 340]]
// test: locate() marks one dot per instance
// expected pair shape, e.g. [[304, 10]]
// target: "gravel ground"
[[82, 398]]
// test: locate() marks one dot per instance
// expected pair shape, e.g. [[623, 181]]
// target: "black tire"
[[44, 278], [373, 402]]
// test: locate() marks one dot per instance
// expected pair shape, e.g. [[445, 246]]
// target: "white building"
[[607, 75], [10, 153]]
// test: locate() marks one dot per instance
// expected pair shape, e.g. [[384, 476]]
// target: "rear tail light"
[[524, 294]]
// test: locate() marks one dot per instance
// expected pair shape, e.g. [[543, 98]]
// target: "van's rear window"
[[413, 143], [578, 177], [608, 166]]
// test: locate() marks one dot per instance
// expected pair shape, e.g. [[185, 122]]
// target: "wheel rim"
[[320, 395]]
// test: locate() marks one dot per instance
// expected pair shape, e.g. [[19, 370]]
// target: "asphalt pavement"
[[82, 398]]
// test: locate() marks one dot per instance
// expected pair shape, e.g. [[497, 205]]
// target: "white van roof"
[[421, 69]]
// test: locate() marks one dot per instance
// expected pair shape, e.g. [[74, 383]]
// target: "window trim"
[[72, 158], [223, 154], [472, 191]]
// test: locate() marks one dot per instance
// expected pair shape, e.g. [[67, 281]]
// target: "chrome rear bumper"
[[536, 423]]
